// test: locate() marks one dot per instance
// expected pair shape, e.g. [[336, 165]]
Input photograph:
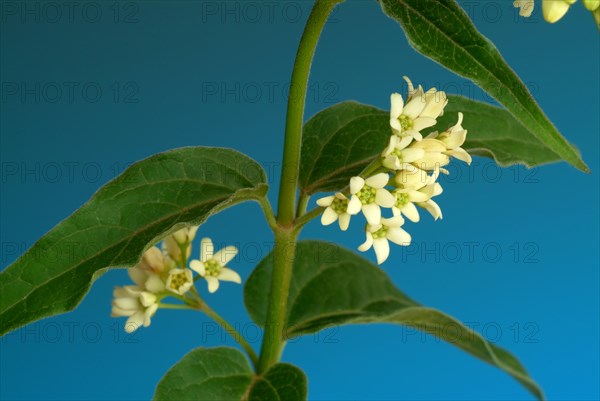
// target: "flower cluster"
[[164, 272], [405, 177], [554, 10]]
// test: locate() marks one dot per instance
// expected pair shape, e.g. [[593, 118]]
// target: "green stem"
[[232, 332], [305, 218], [264, 203], [302, 204], [274, 335], [295, 109], [174, 306]]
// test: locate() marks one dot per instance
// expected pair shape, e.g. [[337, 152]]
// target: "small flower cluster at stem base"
[[164, 272], [405, 178]]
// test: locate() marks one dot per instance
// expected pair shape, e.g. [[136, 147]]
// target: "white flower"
[[147, 274], [434, 155], [591, 5], [368, 195], [417, 187], [525, 6], [453, 138], [180, 239], [378, 236], [212, 267], [336, 209], [554, 10], [420, 111], [397, 155], [138, 305], [180, 281]]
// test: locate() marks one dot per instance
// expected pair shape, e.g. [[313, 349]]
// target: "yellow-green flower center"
[[380, 233], [401, 199], [339, 205], [367, 195], [213, 268], [405, 122], [178, 280]]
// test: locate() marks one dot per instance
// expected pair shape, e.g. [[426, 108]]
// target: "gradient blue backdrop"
[[177, 73]]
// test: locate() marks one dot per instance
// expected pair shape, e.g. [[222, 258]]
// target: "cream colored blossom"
[[415, 188], [147, 274], [379, 235], [453, 138], [397, 154], [369, 195], [178, 240], [137, 305], [179, 281], [420, 111], [336, 208], [212, 267], [525, 7], [554, 10]]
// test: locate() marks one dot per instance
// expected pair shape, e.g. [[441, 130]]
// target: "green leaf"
[[333, 286], [442, 31], [283, 382], [150, 199], [224, 374], [340, 141]]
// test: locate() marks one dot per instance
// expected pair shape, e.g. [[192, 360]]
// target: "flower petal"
[[326, 201], [213, 284], [198, 267], [225, 255], [411, 212], [206, 249], [397, 104], [328, 216], [344, 221], [154, 283], [354, 205], [365, 246], [227, 274], [134, 322], [378, 180], [356, 184], [372, 213], [384, 198], [423, 122], [137, 275], [414, 107], [398, 236], [382, 249]]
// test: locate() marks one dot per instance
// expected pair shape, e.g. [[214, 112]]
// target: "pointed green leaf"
[[333, 286], [442, 31], [150, 199], [224, 374], [340, 141]]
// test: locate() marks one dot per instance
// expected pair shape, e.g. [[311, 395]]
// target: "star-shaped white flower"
[[212, 267], [138, 305], [378, 236], [180, 281], [453, 138], [434, 155], [336, 209], [420, 112], [397, 154], [417, 187], [368, 195]]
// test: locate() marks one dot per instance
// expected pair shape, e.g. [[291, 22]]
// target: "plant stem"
[[305, 218], [232, 332], [295, 109], [264, 203], [283, 262], [302, 204], [285, 233]]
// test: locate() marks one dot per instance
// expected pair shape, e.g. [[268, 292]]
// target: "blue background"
[[178, 73]]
